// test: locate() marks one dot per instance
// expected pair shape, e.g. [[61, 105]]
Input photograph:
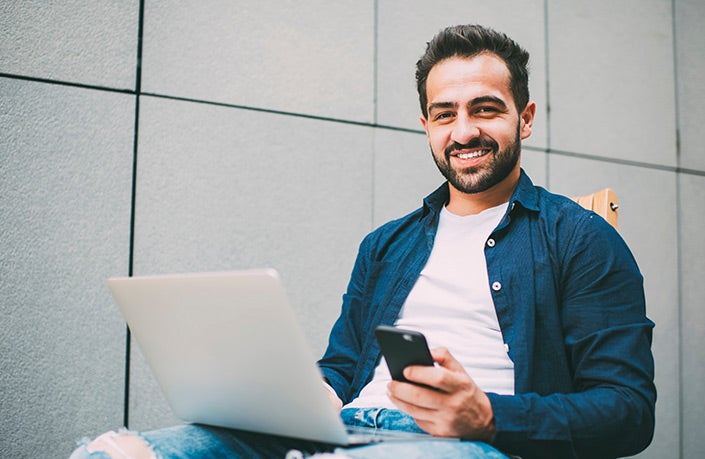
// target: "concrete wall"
[[278, 134]]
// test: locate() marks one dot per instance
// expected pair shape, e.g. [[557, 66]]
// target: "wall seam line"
[[548, 150], [547, 71], [375, 69], [135, 142], [679, 233]]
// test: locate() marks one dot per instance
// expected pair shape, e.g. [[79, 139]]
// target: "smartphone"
[[402, 348]]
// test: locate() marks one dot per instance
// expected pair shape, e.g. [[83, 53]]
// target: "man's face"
[[473, 126]]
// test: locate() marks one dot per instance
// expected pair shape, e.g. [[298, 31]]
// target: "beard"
[[491, 172]]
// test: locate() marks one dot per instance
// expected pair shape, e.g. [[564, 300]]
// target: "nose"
[[464, 130]]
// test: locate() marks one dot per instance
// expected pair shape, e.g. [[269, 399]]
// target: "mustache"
[[474, 143]]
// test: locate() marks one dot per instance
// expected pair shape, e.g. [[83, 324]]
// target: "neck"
[[473, 203]]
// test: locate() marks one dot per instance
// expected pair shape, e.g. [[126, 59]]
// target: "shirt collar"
[[525, 194]]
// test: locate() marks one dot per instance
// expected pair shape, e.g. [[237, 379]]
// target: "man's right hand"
[[457, 409]]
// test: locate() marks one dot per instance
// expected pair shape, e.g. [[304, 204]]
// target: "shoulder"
[[551, 210], [579, 232], [556, 209], [403, 232], [565, 212]]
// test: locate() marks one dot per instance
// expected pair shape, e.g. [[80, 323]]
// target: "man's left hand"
[[457, 408]]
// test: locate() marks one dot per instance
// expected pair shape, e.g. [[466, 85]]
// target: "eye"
[[487, 111], [443, 116]]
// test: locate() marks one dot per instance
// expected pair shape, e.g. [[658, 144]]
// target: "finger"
[[417, 407], [423, 375], [413, 394], [445, 359], [439, 378], [428, 419]]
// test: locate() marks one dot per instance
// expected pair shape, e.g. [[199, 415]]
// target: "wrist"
[[490, 431], [489, 427]]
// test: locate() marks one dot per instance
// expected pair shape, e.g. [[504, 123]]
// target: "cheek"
[[502, 133], [438, 138], [437, 145]]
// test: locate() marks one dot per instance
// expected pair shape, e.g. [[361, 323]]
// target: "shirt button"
[[496, 286], [490, 242], [506, 348]]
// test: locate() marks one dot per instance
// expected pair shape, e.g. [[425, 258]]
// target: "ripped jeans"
[[203, 442]]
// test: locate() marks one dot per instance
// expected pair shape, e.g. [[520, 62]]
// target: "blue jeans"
[[203, 442]]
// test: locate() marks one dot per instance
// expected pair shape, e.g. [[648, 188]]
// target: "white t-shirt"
[[452, 306]]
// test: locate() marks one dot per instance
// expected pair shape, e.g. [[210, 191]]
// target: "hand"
[[457, 408], [334, 399]]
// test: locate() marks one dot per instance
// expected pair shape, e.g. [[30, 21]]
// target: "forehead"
[[457, 78]]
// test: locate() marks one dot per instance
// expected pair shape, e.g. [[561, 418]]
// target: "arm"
[[609, 411], [339, 362]]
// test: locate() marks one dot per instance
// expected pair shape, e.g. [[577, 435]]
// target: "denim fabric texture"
[[82, 453], [570, 302], [380, 418], [207, 442]]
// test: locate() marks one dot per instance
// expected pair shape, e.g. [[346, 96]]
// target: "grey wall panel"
[[692, 243], [312, 57], [92, 43], [647, 221], [611, 79], [690, 36], [148, 408], [534, 164], [404, 174], [65, 174], [221, 188], [404, 31]]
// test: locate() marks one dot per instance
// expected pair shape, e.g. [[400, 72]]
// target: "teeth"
[[476, 154]]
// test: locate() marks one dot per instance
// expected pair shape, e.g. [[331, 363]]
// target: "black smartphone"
[[402, 348]]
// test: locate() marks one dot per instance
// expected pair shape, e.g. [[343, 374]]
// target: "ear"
[[424, 123], [527, 120]]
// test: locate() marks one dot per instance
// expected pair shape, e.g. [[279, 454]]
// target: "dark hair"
[[469, 41]]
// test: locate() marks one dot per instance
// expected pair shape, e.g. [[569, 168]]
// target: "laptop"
[[226, 350]]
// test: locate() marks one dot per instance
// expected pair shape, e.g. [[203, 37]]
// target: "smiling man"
[[534, 306]]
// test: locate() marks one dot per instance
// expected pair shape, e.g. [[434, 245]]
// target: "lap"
[[206, 442], [193, 440]]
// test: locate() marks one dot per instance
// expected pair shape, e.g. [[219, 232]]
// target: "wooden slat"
[[604, 203]]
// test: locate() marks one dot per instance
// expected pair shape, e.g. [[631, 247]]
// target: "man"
[[538, 303], [567, 294]]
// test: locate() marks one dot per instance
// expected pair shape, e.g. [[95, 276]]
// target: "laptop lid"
[[226, 350]]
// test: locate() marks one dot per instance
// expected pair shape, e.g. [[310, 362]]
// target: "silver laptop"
[[226, 350]]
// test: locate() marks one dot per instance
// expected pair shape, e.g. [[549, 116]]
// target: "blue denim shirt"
[[570, 302]]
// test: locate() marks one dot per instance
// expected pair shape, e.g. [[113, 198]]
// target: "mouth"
[[471, 154]]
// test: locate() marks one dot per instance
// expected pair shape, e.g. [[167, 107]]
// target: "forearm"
[[339, 362]]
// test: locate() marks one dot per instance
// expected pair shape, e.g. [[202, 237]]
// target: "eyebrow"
[[476, 101], [441, 106], [491, 99]]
